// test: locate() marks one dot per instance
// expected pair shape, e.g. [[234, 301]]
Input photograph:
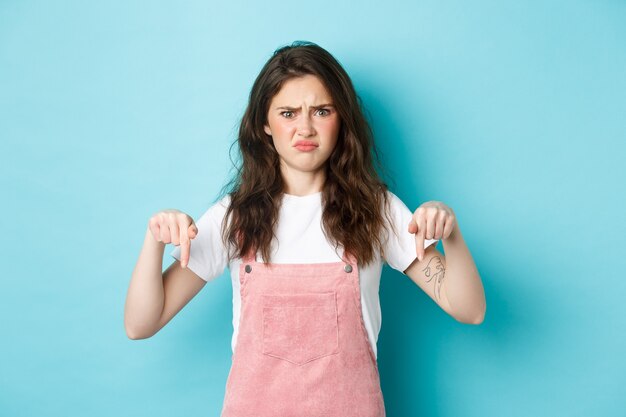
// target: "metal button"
[[248, 268], [347, 268]]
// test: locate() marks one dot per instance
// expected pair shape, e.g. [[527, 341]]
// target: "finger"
[[419, 245], [447, 230], [439, 226], [412, 225], [164, 231], [185, 246], [419, 238], [175, 233], [193, 231], [154, 229], [430, 225]]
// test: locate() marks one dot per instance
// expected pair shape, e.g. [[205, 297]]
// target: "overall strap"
[[348, 258], [249, 257]]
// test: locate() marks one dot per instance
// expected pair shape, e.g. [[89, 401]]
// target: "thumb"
[[412, 226]]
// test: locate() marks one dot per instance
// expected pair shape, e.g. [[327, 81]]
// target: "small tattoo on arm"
[[435, 271]]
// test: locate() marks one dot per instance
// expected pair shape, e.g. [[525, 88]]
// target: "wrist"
[[149, 240]]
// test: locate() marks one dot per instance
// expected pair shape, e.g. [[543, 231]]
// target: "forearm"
[[462, 284], [145, 297]]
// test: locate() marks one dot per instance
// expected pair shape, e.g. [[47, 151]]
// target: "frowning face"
[[304, 124]]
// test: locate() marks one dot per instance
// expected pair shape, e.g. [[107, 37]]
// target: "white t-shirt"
[[300, 239]]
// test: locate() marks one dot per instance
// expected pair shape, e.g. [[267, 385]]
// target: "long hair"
[[353, 196]]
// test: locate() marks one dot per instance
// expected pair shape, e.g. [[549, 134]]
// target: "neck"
[[301, 183]]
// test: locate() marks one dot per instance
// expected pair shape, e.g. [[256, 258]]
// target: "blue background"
[[512, 113]]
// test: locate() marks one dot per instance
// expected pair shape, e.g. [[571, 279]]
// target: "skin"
[[293, 116], [452, 281], [453, 284], [155, 297]]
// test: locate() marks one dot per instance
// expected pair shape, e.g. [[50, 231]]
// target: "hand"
[[174, 226], [431, 220]]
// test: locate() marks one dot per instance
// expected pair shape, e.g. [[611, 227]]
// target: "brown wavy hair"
[[353, 194]]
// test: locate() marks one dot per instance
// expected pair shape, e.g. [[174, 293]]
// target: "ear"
[[267, 130]]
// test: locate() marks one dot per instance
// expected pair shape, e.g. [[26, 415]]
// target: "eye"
[[288, 111], [325, 110]]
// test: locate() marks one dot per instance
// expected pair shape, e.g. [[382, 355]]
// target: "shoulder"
[[217, 210], [222, 203], [396, 208], [394, 199]]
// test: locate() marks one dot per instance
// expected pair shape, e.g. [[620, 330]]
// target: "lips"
[[306, 143]]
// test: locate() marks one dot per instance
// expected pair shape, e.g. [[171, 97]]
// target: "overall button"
[[248, 268], [347, 268]]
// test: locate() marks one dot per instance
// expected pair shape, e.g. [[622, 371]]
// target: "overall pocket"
[[300, 328]]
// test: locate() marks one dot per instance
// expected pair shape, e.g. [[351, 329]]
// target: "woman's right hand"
[[174, 226]]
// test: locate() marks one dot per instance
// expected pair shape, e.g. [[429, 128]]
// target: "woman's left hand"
[[431, 220]]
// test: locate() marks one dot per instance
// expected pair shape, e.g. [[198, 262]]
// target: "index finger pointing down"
[[185, 245]]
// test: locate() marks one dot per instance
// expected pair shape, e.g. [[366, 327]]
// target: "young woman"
[[304, 230]]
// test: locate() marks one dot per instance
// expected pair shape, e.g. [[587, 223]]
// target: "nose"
[[305, 127]]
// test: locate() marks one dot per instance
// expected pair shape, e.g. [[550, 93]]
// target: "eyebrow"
[[314, 107]]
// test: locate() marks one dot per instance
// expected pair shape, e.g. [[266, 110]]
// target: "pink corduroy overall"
[[302, 348]]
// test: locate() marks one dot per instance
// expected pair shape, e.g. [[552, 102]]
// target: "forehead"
[[308, 88]]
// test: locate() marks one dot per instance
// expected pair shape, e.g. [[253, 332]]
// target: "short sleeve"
[[400, 249], [207, 254]]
